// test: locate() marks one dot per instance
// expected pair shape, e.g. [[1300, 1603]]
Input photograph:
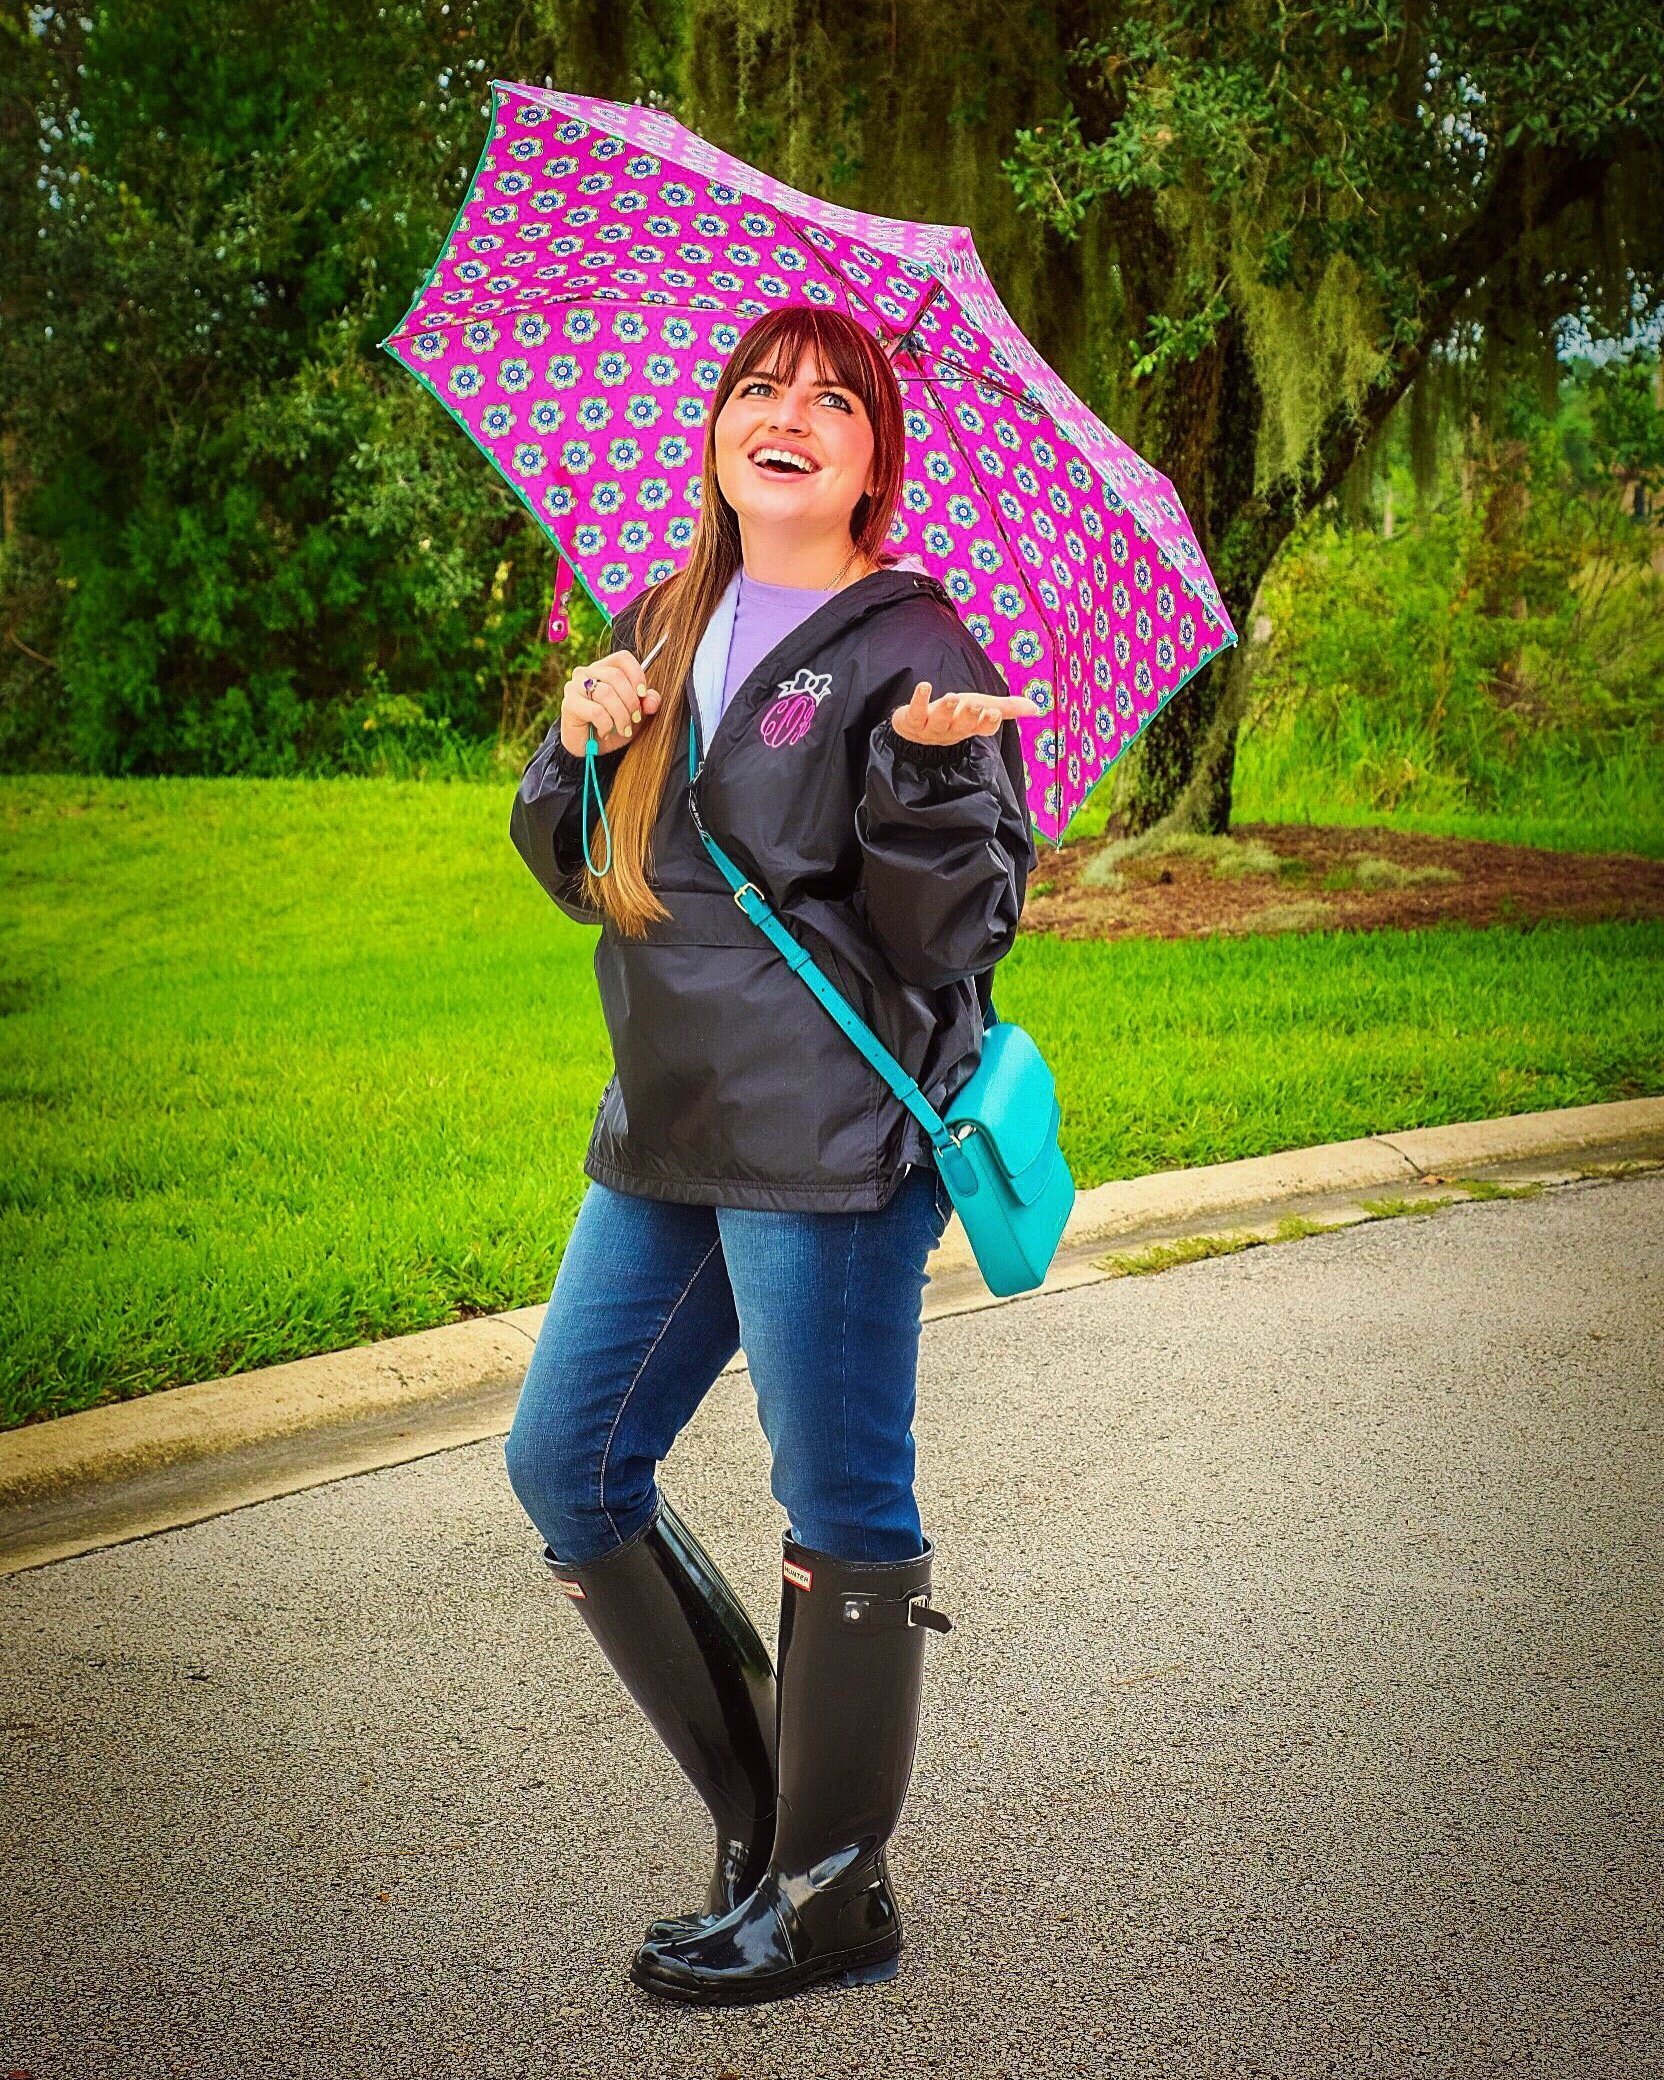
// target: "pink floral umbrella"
[[603, 266]]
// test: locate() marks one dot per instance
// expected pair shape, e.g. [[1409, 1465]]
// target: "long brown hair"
[[683, 603]]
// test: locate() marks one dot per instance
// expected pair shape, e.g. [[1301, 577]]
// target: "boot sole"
[[836, 1971]]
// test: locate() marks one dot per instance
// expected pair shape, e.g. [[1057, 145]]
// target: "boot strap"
[[892, 1613]]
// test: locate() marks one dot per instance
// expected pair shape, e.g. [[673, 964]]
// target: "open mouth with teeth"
[[781, 462]]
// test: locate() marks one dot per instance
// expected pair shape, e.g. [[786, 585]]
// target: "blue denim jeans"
[[651, 1301]]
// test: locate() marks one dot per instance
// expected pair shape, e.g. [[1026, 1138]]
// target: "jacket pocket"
[[726, 1067]]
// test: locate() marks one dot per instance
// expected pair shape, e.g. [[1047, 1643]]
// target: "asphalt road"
[[1302, 1716]]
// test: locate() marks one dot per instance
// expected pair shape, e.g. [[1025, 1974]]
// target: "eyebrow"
[[762, 375]]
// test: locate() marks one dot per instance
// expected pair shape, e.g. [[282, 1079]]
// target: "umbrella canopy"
[[603, 266]]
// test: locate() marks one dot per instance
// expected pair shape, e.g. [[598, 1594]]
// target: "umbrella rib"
[[1012, 557], [895, 345], [953, 432], [829, 266], [951, 365]]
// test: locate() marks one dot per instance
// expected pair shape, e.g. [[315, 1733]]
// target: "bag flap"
[[1027, 1185], [1012, 1097]]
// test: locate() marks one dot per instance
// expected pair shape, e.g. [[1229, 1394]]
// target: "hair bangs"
[[836, 357]]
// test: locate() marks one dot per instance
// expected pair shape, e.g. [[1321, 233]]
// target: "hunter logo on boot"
[[573, 1588], [800, 1577]]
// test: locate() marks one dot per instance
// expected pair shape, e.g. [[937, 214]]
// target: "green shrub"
[[1498, 655]]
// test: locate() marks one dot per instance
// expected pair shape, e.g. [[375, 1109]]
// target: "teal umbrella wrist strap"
[[592, 784]]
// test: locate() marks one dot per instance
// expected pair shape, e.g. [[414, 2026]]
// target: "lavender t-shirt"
[[763, 616]]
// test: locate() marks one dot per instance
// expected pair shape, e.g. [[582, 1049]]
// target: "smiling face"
[[807, 500]]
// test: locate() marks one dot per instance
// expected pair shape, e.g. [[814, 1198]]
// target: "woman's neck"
[[816, 569]]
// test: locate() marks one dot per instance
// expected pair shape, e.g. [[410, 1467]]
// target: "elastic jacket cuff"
[[569, 765], [921, 754]]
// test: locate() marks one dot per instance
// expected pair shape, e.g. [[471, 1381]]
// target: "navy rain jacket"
[[901, 867]]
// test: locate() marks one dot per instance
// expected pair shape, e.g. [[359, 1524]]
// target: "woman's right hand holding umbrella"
[[612, 694]]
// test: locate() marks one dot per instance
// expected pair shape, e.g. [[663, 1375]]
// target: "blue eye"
[[761, 382]]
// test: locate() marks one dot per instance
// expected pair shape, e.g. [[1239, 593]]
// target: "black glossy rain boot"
[[685, 1648], [851, 1669]]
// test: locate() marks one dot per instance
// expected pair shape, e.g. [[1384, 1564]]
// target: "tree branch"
[[12, 636], [1506, 212]]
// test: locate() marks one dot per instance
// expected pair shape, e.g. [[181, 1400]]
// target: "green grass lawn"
[[287, 1066]]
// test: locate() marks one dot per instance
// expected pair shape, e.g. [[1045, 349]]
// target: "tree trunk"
[[1178, 774]]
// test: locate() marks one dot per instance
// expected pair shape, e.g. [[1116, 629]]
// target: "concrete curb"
[[45, 1462], [217, 1416], [1111, 1210]]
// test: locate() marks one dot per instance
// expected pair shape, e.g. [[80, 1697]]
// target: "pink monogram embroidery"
[[791, 713]]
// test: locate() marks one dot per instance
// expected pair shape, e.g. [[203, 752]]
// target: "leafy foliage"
[[238, 539], [1304, 178], [1316, 209], [1514, 626]]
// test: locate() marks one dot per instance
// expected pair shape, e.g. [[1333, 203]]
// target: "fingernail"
[[635, 714], [627, 730]]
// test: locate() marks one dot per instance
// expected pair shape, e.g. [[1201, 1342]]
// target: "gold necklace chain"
[[836, 586]]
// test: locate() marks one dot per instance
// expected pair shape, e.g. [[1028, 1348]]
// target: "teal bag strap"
[[955, 1164]]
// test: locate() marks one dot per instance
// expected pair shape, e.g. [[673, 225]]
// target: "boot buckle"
[[880, 1613]]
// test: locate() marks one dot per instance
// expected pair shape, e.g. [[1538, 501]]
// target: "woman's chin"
[[776, 497], [774, 502]]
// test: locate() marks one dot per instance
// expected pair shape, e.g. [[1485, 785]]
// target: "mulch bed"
[[1174, 897]]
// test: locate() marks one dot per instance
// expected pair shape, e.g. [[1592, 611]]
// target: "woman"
[[753, 1180]]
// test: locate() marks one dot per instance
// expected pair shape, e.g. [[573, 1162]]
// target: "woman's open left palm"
[[951, 717]]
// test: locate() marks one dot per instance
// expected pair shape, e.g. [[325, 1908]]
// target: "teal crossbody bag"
[[997, 1145]]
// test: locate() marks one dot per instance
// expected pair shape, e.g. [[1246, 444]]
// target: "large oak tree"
[[1243, 233]]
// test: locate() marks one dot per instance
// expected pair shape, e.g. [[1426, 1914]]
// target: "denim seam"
[[618, 1416]]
